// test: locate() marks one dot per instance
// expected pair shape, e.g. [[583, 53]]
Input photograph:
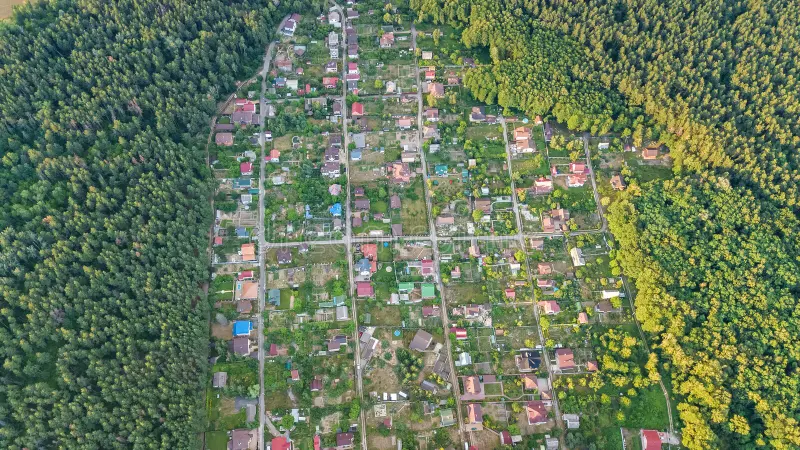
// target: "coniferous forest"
[[713, 252], [104, 112]]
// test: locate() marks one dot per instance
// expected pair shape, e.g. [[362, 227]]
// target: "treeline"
[[716, 272], [714, 253], [104, 113]]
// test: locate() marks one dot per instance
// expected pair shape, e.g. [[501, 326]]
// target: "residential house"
[[364, 289], [225, 139], [430, 74], [404, 123], [577, 257], [545, 268], [352, 51], [436, 90], [242, 328], [248, 252], [428, 291], [284, 64], [241, 345], [331, 170], [247, 290], [528, 360], [542, 186], [280, 443], [603, 307], [362, 204], [576, 180], [432, 114], [484, 204], [331, 67], [335, 19], [335, 343], [618, 183], [427, 55], [219, 380], [565, 359], [370, 251], [460, 333], [549, 307], [421, 341], [284, 256], [316, 384], [344, 441], [578, 168], [387, 40], [399, 172], [394, 202], [397, 229], [240, 439], [431, 311], [651, 439], [445, 219], [474, 418], [478, 114], [332, 154], [473, 388], [583, 318], [274, 156], [651, 152], [330, 82], [537, 412]]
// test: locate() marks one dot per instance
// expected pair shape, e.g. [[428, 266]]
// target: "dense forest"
[[714, 252], [104, 113]]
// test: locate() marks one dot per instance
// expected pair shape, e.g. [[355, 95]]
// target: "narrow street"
[[520, 236], [466, 437], [262, 246]]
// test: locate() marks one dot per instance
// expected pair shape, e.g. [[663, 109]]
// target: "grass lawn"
[[385, 253], [648, 410], [646, 172], [493, 388], [286, 295], [216, 440], [380, 206]]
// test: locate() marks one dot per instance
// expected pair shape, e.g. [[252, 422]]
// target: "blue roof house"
[[241, 183], [242, 328], [241, 233], [441, 170], [336, 209], [274, 297]]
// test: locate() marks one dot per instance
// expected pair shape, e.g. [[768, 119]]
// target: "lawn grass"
[[648, 410], [216, 440], [286, 296]]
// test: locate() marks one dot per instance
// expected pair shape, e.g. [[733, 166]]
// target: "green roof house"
[[428, 291], [405, 287]]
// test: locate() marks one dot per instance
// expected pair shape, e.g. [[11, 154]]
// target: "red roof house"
[[357, 110]]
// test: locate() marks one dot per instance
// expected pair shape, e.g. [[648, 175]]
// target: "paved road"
[[262, 244], [521, 239], [348, 235], [603, 220], [465, 437]]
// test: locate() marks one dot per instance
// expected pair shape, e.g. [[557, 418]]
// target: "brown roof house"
[[618, 183], [473, 388], [565, 359], [537, 412], [421, 341], [344, 441], [225, 139], [474, 418], [241, 439], [436, 90], [394, 202]]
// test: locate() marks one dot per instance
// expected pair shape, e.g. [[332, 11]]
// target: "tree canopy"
[[104, 114]]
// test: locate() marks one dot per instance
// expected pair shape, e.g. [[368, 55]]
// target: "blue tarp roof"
[[336, 209], [242, 327]]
